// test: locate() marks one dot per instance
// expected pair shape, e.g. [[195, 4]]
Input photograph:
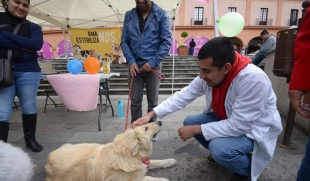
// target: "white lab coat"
[[250, 107]]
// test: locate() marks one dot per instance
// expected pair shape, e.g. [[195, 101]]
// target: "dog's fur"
[[77, 52], [15, 164], [117, 54], [120, 160]]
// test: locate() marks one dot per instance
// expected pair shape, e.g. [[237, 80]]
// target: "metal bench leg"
[[51, 100], [45, 102], [15, 105], [100, 110], [108, 98]]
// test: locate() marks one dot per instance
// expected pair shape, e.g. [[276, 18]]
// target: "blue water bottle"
[[120, 111]]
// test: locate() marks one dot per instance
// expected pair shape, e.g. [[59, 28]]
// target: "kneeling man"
[[241, 123]]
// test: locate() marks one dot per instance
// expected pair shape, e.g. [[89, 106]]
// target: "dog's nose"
[[159, 123]]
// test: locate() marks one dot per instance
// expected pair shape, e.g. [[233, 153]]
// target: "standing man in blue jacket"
[[146, 41]]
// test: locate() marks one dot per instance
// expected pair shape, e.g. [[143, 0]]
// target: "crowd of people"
[[240, 123]]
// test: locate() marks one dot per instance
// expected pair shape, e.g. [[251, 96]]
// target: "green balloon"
[[231, 24]]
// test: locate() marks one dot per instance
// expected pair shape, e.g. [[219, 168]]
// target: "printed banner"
[[101, 43]]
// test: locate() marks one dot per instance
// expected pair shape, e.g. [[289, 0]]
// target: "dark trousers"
[[259, 57], [191, 51], [304, 170], [151, 83]]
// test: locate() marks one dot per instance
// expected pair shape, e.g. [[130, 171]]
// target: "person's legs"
[[198, 119], [152, 83], [6, 96], [260, 56], [304, 170], [136, 96], [27, 84], [6, 102], [191, 51], [233, 153]]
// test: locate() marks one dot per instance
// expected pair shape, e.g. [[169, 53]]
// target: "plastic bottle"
[[120, 111]]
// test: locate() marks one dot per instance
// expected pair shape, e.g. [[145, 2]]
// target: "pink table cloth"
[[78, 92]]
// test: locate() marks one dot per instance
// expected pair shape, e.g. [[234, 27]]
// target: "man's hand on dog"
[[301, 106], [187, 132], [143, 120], [134, 69], [146, 68]]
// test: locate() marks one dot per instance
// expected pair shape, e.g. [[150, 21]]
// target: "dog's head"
[[132, 146], [116, 48], [99, 56], [85, 53], [76, 49], [92, 53], [138, 141]]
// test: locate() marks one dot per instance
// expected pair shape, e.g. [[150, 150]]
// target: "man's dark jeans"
[[259, 57], [191, 51], [304, 170], [152, 83]]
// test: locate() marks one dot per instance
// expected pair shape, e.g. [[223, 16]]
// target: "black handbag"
[[6, 74]]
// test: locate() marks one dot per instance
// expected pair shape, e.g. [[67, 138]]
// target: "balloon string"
[[159, 75]]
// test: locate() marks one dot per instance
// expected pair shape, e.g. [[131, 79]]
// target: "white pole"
[[65, 41], [216, 14], [173, 53], [69, 32]]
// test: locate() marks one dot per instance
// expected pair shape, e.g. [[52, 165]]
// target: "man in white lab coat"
[[241, 123]]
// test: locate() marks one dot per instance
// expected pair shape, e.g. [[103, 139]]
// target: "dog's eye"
[[146, 128]]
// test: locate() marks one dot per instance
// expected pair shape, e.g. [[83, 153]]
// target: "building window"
[[263, 15], [198, 16], [232, 9], [293, 18]]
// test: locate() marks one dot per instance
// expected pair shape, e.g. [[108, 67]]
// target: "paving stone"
[[58, 126]]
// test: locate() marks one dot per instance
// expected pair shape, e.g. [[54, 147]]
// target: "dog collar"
[[146, 161]]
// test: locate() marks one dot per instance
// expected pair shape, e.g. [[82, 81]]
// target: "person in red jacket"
[[300, 85]]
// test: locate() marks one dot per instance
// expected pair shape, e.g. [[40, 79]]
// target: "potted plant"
[[182, 49]]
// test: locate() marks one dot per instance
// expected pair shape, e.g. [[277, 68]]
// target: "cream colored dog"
[[124, 159]]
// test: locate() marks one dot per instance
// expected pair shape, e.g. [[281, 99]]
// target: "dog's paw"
[[162, 163], [148, 178], [170, 162]]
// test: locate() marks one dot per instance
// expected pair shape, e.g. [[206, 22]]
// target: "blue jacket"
[[29, 62], [153, 44]]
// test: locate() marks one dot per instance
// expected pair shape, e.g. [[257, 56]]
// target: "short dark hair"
[[220, 49], [265, 31], [3, 2]]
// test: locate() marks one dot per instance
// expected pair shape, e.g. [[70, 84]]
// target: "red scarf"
[[219, 92]]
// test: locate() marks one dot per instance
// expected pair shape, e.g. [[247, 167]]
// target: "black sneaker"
[[238, 177], [155, 137], [211, 160]]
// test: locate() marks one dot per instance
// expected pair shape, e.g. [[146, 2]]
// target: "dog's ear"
[[134, 146], [144, 142]]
